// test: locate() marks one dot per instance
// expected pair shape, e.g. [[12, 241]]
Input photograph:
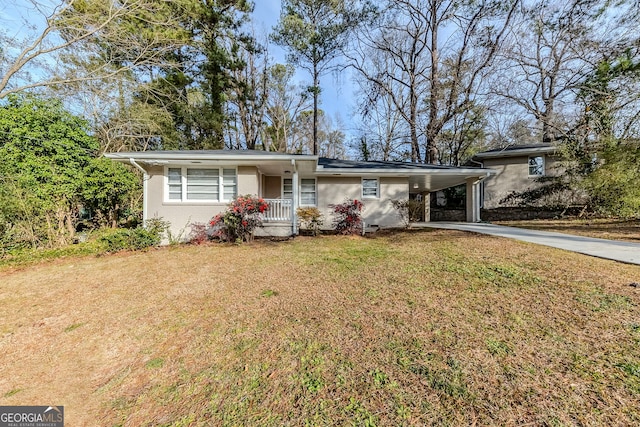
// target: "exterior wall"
[[180, 215], [329, 190], [379, 211], [512, 174], [272, 187]]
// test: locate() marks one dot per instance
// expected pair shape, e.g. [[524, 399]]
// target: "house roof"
[[331, 166], [422, 177], [162, 156], [516, 150]]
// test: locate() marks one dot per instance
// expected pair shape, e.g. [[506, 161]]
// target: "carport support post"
[[473, 200]]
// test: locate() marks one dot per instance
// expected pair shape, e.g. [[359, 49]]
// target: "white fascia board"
[[406, 172], [164, 158], [515, 153]]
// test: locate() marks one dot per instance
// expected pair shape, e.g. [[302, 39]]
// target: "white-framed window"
[[536, 166], [186, 184], [174, 184], [203, 184], [229, 184], [370, 188], [287, 188], [308, 193]]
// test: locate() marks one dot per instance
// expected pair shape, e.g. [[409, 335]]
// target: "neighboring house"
[[185, 187], [517, 168]]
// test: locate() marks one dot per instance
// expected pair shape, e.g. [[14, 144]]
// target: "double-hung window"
[[186, 184], [287, 188], [370, 188], [308, 193], [174, 179], [229, 184], [536, 166]]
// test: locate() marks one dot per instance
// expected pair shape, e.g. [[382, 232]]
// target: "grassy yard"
[[433, 327], [603, 228]]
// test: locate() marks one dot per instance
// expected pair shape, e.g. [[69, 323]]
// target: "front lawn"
[[433, 327]]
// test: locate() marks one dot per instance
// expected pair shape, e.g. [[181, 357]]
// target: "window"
[[175, 183], [370, 189], [229, 184], [536, 166], [287, 188], [201, 185], [308, 191]]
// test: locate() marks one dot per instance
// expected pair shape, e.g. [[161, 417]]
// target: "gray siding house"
[[517, 168], [185, 187]]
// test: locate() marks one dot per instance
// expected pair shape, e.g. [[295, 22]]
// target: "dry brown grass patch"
[[427, 328]]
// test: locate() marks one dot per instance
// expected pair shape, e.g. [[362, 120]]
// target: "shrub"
[[310, 219], [199, 233], [348, 217], [131, 239], [239, 221], [408, 210], [157, 226]]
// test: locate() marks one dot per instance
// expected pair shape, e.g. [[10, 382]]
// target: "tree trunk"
[[431, 152], [316, 90]]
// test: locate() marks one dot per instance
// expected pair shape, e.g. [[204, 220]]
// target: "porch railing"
[[279, 210]]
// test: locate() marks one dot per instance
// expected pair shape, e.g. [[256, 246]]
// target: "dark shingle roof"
[[516, 150], [327, 163]]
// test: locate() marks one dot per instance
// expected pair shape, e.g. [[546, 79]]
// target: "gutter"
[[145, 192]]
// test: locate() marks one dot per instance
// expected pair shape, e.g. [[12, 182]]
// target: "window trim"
[[377, 195], [282, 190], [183, 185], [315, 192], [542, 166]]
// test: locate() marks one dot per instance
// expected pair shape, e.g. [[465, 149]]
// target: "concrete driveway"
[[602, 248]]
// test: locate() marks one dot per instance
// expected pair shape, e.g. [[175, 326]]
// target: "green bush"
[[131, 239], [310, 220]]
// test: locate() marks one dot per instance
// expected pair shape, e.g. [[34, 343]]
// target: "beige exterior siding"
[[512, 174], [248, 180], [272, 187], [181, 214], [378, 211]]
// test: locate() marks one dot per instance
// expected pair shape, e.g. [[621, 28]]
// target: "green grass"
[[25, 257]]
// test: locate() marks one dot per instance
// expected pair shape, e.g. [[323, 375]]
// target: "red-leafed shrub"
[[199, 233], [348, 217], [240, 219]]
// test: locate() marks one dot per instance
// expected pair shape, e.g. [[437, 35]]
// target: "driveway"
[[602, 248]]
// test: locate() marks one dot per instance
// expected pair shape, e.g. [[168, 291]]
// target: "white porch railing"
[[279, 210]]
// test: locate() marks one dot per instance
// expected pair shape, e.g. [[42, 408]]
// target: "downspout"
[[145, 179], [294, 201]]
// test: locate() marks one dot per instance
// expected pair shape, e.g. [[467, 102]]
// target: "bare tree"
[[285, 102], [550, 51], [57, 37], [249, 95], [383, 131], [437, 51]]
